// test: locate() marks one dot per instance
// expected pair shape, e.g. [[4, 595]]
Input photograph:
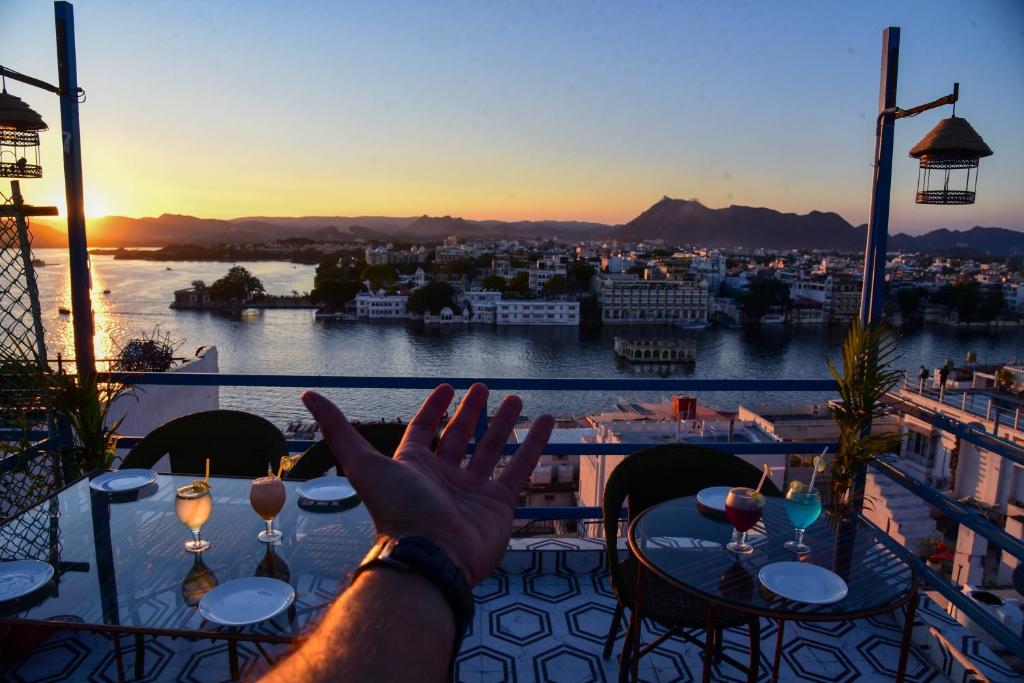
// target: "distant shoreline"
[[220, 254]]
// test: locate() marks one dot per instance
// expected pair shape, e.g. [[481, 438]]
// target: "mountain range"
[[676, 221]]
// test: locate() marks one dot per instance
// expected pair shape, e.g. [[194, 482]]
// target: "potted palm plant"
[[867, 376], [84, 403]]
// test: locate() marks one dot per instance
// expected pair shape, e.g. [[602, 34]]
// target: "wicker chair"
[[315, 462], [237, 443], [648, 477], [317, 459]]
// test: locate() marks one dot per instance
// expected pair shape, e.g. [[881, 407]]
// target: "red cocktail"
[[743, 510]]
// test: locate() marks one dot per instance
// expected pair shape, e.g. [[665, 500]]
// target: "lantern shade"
[[952, 145], [19, 138]]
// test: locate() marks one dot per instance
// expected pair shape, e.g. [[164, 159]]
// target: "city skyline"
[[493, 112]]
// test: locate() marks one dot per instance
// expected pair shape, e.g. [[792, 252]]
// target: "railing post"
[[1016, 419], [988, 411], [963, 404]]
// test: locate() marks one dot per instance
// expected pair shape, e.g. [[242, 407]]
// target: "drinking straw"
[[207, 479], [767, 473], [814, 472]]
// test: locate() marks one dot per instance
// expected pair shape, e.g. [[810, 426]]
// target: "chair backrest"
[[237, 443], [654, 475], [317, 459]]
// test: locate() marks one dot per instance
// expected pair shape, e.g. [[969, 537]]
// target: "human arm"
[[391, 625]]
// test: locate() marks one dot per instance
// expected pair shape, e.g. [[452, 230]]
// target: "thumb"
[[351, 451]]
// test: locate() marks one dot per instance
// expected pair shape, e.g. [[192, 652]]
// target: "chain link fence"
[[28, 471]]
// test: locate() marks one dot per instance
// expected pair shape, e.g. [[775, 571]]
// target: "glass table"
[[121, 566], [683, 543]]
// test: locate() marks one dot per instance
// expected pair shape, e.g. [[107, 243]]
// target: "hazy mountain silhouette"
[[681, 221], [677, 221], [977, 239]]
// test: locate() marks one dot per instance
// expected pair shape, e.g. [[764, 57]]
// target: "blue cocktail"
[[803, 506]]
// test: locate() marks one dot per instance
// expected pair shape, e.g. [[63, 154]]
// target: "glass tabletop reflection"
[[120, 561], [684, 543]]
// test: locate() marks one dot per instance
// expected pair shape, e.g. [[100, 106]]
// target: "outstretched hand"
[[427, 492]]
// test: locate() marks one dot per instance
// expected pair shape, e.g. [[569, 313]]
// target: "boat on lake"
[[656, 350], [691, 324]]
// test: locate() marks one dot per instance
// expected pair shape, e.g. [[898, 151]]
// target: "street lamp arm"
[[942, 101], [898, 113], [28, 80]]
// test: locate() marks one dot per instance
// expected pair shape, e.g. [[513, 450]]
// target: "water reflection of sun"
[[61, 337]]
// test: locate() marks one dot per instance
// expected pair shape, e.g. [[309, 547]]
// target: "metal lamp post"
[[69, 93], [952, 146]]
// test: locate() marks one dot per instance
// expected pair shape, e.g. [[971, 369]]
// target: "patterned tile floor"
[[542, 616]]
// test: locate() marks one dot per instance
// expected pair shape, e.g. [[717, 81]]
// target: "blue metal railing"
[[953, 509]]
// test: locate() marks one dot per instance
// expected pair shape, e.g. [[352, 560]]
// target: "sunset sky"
[[514, 110]]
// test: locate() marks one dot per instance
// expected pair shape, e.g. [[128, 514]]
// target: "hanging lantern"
[[949, 156], [19, 138]]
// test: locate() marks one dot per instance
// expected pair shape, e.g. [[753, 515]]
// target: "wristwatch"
[[415, 554]]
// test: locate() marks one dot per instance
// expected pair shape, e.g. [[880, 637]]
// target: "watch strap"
[[416, 554]]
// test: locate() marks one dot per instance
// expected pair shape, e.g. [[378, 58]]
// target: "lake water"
[[290, 341]]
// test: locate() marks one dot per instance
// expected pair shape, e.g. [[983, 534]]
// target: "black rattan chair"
[[317, 459], [648, 477], [237, 443]]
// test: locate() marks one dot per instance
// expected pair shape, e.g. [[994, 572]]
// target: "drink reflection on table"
[[273, 566], [736, 583], [199, 581]]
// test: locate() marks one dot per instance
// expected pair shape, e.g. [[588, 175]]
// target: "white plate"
[[326, 489], [713, 497], [246, 601], [803, 582], [21, 577], [123, 480]]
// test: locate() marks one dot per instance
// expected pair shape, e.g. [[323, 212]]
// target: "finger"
[[459, 431], [349, 448], [423, 427], [488, 451], [527, 455]]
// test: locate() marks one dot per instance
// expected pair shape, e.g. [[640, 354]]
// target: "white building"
[[543, 270], [480, 306], [625, 302], [537, 312], [381, 305]]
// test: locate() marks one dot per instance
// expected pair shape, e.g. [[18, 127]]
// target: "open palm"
[[426, 491]]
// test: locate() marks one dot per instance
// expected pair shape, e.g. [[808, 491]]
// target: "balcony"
[[544, 613]]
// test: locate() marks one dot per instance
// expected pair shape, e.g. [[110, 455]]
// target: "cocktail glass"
[[193, 504], [267, 498], [742, 509], [803, 506]]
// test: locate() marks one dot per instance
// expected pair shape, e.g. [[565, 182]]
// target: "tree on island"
[[334, 294], [555, 286], [909, 300], [583, 273], [198, 285], [971, 302], [335, 283], [432, 297], [379, 274], [238, 285], [519, 286], [764, 293], [494, 282]]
